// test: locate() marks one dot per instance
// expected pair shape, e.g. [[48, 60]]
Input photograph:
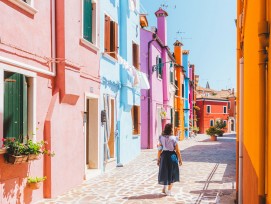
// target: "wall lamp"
[[155, 67]]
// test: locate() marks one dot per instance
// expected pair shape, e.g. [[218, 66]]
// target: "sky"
[[206, 28]]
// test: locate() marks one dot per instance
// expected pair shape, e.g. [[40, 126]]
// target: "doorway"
[[91, 126]]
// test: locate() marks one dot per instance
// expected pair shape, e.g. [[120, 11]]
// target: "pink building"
[[58, 62], [192, 94], [157, 103]]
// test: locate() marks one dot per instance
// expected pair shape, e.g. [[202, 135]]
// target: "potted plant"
[[163, 113], [35, 149], [220, 125], [35, 182], [212, 131], [15, 151]]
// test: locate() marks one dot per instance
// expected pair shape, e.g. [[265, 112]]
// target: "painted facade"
[[61, 67], [186, 93], [156, 61], [253, 61], [211, 110], [120, 92], [191, 95], [179, 97]]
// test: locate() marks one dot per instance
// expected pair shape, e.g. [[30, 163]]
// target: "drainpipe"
[[241, 125], [53, 28], [149, 92], [263, 36]]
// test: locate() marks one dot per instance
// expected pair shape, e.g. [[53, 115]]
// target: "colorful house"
[[253, 101], [121, 77], [191, 95], [156, 60], [52, 67], [179, 95], [186, 93]]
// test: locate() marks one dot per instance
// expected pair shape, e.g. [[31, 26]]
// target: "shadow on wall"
[[13, 182]]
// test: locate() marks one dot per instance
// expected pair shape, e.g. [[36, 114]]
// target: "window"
[[15, 105], [26, 5], [177, 88], [208, 109], [27, 1], [177, 119], [211, 122], [224, 109], [110, 37], [136, 56], [159, 67], [229, 105], [171, 77], [183, 90], [136, 119], [89, 21]]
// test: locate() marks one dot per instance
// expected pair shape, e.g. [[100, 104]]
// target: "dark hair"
[[168, 129]]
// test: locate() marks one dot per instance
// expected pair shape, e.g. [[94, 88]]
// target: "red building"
[[214, 106]]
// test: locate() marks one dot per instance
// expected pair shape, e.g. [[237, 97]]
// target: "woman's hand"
[[158, 162], [180, 162]]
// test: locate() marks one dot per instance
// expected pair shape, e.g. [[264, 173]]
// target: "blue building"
[[186, 92], [120, 79]]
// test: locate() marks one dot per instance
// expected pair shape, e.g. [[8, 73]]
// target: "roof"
[[208, 93]]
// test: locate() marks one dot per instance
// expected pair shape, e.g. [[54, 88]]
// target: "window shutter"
[[116, 43], [160, 66], [15, 106], [171, 76], [177, 120], [136, 56], [107, 33], [87, 30]]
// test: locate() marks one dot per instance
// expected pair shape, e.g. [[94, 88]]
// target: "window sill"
[[24, 6], [110, 58], [89, 44], [2, 150]]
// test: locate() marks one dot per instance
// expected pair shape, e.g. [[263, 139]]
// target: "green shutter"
[[15, 105], [171, 76], [88, 20], [177, 120], [160, 67]]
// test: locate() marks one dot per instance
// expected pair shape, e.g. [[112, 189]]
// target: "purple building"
[[157, 103]]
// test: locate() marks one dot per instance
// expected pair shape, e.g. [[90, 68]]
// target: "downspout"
[[240, 132], [53, 28], [263, 36], [149, 92]]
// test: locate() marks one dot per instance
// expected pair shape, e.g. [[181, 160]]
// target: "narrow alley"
[[206, 176]]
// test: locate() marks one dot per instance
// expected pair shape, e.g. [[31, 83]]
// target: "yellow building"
[[179, 104], [254, 104]]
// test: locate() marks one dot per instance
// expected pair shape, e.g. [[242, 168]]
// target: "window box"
[[25, 6]]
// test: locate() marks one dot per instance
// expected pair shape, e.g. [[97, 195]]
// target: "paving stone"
[[206, 176]]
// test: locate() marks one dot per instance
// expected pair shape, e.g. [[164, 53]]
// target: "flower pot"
[[34, 186], [16, 159], [213, 138], [32, 157]]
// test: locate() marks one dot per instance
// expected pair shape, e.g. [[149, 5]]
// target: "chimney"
[[162, 25], [178, 52]]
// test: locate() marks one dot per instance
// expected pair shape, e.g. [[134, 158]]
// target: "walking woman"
[[169, 159]]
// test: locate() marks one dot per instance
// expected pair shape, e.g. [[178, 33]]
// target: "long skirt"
[[168, 168]]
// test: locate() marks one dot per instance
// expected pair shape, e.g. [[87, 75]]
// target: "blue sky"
[[209, 33]]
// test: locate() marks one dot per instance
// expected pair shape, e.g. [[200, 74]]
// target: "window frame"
[[27, 6], [111, 32], [159, 65]]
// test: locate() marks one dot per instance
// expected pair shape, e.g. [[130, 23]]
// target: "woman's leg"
[[170, 186]]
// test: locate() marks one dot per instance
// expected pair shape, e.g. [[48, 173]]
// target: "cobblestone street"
[[206, 176]]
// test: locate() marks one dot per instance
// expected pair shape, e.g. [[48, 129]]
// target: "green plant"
[[14, 146], [220, 132], [196, 129], [212, 131], [220, 124], [36, 179], [34, 147]]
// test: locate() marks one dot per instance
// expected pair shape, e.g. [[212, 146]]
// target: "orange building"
[[254, 102], [179, 94]]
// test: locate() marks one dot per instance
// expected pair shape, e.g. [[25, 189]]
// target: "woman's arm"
[[178, 152], [158, 156]]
